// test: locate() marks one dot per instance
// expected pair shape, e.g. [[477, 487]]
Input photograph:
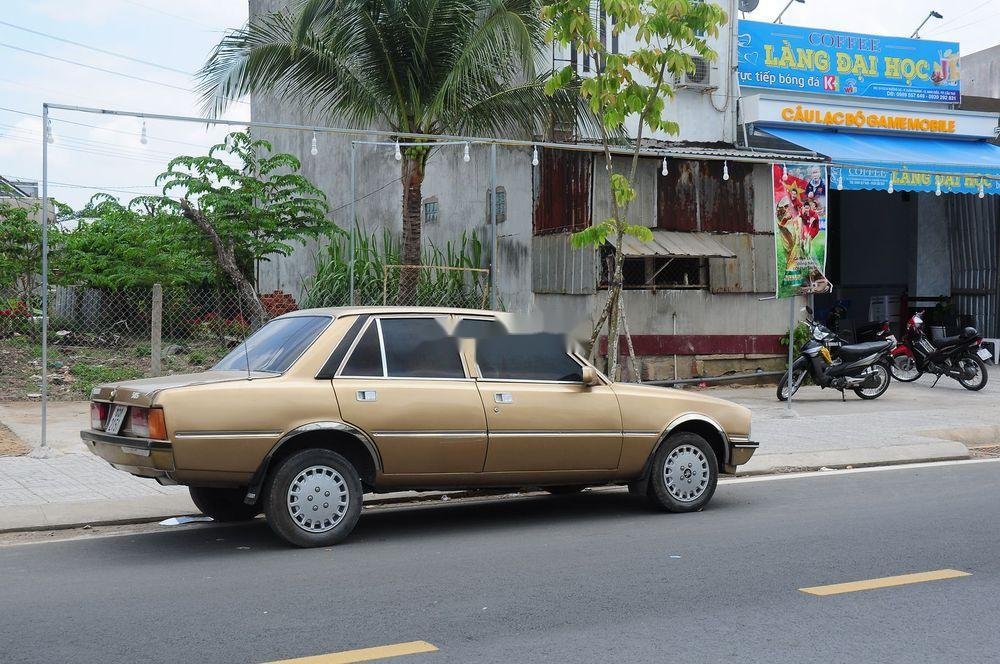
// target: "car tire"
[[313, 498], [565, 490], [684, 473], [223, 504]]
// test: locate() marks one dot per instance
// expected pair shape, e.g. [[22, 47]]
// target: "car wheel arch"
[[349, 441], [696, 423]]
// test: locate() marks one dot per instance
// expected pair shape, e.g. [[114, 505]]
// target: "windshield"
[[274, 347]]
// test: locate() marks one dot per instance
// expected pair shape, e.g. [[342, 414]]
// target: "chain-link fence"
[[435, 286], [98, 335]]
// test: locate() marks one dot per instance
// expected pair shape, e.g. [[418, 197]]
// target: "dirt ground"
[[11, 445]]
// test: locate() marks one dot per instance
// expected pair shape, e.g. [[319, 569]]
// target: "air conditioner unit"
[[698, 79]]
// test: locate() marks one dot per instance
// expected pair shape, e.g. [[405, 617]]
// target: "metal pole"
[[45, 271], [791, 351], [493, 225], [354, 220]]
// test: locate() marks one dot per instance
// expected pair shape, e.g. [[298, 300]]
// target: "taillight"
[[148, 423], [885, 328], [98, 415]]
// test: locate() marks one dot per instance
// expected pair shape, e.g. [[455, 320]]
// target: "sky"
[[106, 154]]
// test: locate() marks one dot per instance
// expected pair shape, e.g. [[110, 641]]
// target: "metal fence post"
[[155, 330], [354, 219], [45, 272], [493, 225]]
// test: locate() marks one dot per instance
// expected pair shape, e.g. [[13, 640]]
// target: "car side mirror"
[[590, 376]]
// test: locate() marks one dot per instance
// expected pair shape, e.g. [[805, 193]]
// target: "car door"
[[405, 384], [539, 413]]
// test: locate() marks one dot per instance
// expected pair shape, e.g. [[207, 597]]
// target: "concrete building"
[[696, 295]]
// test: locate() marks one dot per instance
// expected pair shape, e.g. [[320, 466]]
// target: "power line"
[[96, 68], [125, 150], [952, 19], [36, 140], [174, 16], [95, 48]]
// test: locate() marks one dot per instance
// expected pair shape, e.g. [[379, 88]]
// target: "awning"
[[676, 244], [866, 161]]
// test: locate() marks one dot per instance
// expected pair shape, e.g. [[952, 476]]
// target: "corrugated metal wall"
[[694, 197], [556, 267], [975, 254], [562, 191]]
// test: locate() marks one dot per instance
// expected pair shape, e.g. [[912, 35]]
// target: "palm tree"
[[463, 67]]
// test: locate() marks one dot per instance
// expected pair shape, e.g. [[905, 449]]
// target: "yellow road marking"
[[364, 654], [885, 582]]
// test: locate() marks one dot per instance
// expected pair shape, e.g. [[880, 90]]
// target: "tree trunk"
[[614, 319], [225, 256], [413, 180]]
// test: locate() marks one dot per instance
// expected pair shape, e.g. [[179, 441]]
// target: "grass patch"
[[89, 375]]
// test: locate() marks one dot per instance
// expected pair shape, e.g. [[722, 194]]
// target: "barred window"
[[431, 210]]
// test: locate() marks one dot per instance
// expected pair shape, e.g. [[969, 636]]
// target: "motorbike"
[[960, 357], [863, 368]]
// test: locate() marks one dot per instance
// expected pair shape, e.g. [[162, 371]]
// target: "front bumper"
[[139, 456], [740, 451]]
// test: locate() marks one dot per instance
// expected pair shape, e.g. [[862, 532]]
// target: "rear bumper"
[[139, 456], [740, 451]]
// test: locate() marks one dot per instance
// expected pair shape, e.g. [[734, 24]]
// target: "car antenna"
[[246, 351]]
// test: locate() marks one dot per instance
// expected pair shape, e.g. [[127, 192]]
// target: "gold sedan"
[[320, 406]]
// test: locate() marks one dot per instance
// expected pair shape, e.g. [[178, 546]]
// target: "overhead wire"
[[96, 48]]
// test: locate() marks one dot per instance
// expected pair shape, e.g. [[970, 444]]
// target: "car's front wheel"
[[223, 504], [684, 473], [314, 498]]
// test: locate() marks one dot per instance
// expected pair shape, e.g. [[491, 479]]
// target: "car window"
[[420, 348], [527, 357], [479, 328], [366, 359], [274, 347]]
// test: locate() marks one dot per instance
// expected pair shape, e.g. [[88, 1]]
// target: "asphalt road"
[[587, 578]]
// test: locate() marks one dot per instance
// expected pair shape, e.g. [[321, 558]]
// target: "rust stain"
[[562, 201]]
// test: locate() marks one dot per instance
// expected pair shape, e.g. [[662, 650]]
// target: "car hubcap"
[[318, 499], [686, 473]]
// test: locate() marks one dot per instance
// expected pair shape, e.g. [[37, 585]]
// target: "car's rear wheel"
[[314, 498], [223, 504], [684, 473]]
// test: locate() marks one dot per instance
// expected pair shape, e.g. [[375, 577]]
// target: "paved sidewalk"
[[909, 423]]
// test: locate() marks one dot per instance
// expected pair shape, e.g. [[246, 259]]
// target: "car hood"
[[655, 390], [141, 392]]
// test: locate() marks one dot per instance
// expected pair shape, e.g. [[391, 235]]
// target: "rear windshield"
[[274, 347]]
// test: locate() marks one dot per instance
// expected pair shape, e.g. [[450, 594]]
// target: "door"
[[540, 415], [404, 383]]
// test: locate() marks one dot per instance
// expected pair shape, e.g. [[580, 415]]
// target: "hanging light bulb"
[[937, 189], [982, 192], [840, 180], [725, 170], [465, 154], [534, 155], [143, 138], [399, 153], [890, 189], [49, 138], [664, 170], [784, 172], [313, 148]]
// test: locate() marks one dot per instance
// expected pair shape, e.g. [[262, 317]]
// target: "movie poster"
[[800, 199]]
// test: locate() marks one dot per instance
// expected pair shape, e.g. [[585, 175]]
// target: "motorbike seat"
[[857, 351], [966, 335]]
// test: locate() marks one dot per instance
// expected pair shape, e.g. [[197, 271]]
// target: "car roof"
[[338, 312]]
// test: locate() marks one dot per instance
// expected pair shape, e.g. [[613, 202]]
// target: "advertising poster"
[[784, 57], [800, 198]]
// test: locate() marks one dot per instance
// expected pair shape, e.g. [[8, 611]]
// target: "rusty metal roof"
[[676, 244]]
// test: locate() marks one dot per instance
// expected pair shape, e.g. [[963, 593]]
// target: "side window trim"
[[381, 345], [343, 349], [347, 357]]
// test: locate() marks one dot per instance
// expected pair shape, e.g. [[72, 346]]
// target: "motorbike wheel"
[[978, 381], [875, 392], [800, 368], [904, 369]]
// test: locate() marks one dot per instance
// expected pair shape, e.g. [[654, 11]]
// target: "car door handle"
[[503, 397], [367, 395]]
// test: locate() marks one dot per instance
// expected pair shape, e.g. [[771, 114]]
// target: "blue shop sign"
[[783, 57]]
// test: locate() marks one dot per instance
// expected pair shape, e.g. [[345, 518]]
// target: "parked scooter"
[[863, 368], [960, 357]]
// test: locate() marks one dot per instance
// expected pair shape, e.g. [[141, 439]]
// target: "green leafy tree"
[[21, 240], [138, 245], [628, 88], [248, 203], [409, 66]]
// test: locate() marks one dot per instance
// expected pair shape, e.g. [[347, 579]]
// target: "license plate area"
[[116, 420], [984, 354]]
